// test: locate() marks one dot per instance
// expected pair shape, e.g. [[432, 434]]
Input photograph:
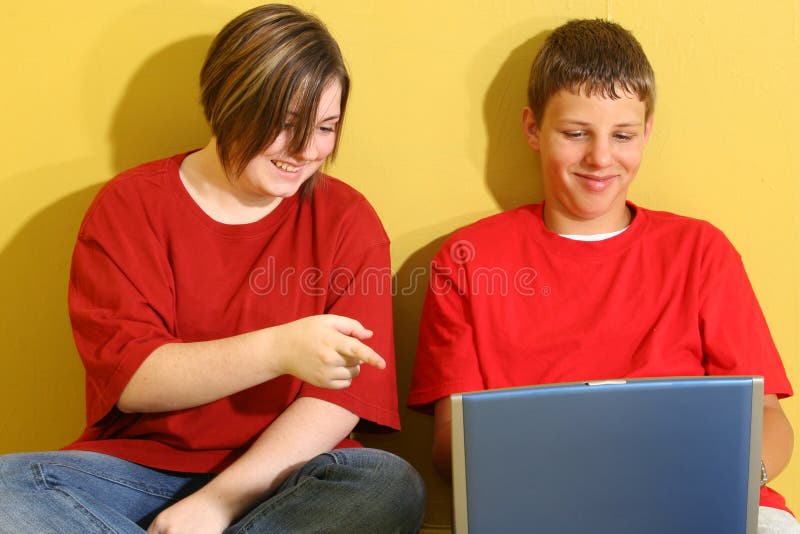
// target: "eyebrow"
[[326, 119], [618, 125]]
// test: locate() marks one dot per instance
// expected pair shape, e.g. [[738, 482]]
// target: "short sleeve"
[[360, 287], [120, 297], [446, 360], [736, 337]]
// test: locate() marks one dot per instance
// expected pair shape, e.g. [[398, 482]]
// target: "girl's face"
[[275, 173]]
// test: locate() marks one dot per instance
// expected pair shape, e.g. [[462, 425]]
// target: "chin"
[[284, 190]]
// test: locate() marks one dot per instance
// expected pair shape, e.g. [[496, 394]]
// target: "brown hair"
[[594, 57], [265, 69]]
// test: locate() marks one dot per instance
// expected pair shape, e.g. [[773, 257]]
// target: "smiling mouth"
[[282, 165], [594, 178], [596, 184]]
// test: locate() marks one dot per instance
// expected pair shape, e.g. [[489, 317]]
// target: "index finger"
[[365, 354]]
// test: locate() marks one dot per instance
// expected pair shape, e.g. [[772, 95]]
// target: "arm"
[[737, 341], [777, 439], [442, 456], [324, 350], [307, 428], [447, 359]]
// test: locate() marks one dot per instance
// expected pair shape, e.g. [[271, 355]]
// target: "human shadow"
[[42, 375], [513, 179], [512, 169], [158, 115], [414, 442]]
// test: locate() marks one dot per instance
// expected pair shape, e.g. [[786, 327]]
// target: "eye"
[[624, 137], [327, 129], [574, 134]]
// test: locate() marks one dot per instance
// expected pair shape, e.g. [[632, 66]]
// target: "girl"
[[223, 303]]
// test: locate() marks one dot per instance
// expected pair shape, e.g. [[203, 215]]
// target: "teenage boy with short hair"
[[587, 285]]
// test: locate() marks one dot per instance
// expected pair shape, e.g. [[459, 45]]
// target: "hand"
[[196, 514], [324, 350]]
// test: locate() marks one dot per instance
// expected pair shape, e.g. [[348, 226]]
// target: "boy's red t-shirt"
[[150, 267], [510, 303]]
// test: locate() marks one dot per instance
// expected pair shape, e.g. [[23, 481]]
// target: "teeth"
[[285, 166]]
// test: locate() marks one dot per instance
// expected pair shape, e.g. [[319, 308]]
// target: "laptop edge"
[[756, 426]]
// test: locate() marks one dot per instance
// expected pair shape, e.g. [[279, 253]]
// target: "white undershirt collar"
[[594, 237]]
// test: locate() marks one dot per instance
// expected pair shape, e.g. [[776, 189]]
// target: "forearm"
[[777, 439], [183, 375], [323, 350], [307, 428], [442, 446]]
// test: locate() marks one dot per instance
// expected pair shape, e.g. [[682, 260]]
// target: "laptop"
[[656, 456]]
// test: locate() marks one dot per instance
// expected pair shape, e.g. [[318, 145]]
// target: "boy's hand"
[[324, 350], [196, 514]]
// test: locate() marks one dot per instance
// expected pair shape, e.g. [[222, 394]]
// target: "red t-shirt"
[[510, 303], [150, 267]]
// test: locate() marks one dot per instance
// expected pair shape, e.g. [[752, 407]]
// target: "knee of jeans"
[[14, 468], [409, 489], [399, 485], [10, 463]]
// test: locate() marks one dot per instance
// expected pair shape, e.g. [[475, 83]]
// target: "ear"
[[530, 128], [648, 127]]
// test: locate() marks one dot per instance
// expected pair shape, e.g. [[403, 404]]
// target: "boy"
[[588, 285]]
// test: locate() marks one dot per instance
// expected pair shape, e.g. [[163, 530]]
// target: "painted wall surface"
[[432, 138]]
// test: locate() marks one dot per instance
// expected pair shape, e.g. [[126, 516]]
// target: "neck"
[[566, 224], [220, 197]]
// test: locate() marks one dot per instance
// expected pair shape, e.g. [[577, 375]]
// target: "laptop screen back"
[[645, 455]]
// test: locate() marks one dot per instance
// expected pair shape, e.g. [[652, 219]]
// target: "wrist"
[[268, 352], [223, 503]]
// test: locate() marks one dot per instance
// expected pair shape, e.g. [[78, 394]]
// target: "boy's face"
[[590, 148]]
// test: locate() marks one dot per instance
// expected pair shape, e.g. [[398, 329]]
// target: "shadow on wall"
[[414, 442], [42, 375], [513, 177], [160, 114], [512, 169]]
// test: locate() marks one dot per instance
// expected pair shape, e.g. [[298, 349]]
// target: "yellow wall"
[[432, 138]]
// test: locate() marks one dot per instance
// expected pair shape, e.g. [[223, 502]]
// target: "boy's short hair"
[[592, 57], [267, 69]]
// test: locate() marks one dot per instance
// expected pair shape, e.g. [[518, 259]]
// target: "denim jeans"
[[345, 490]]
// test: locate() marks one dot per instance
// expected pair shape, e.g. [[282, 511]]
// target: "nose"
[[314, 150], [310, 152], [599, 153]]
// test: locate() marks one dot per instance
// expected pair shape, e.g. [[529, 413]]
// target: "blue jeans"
[[345, 490]]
